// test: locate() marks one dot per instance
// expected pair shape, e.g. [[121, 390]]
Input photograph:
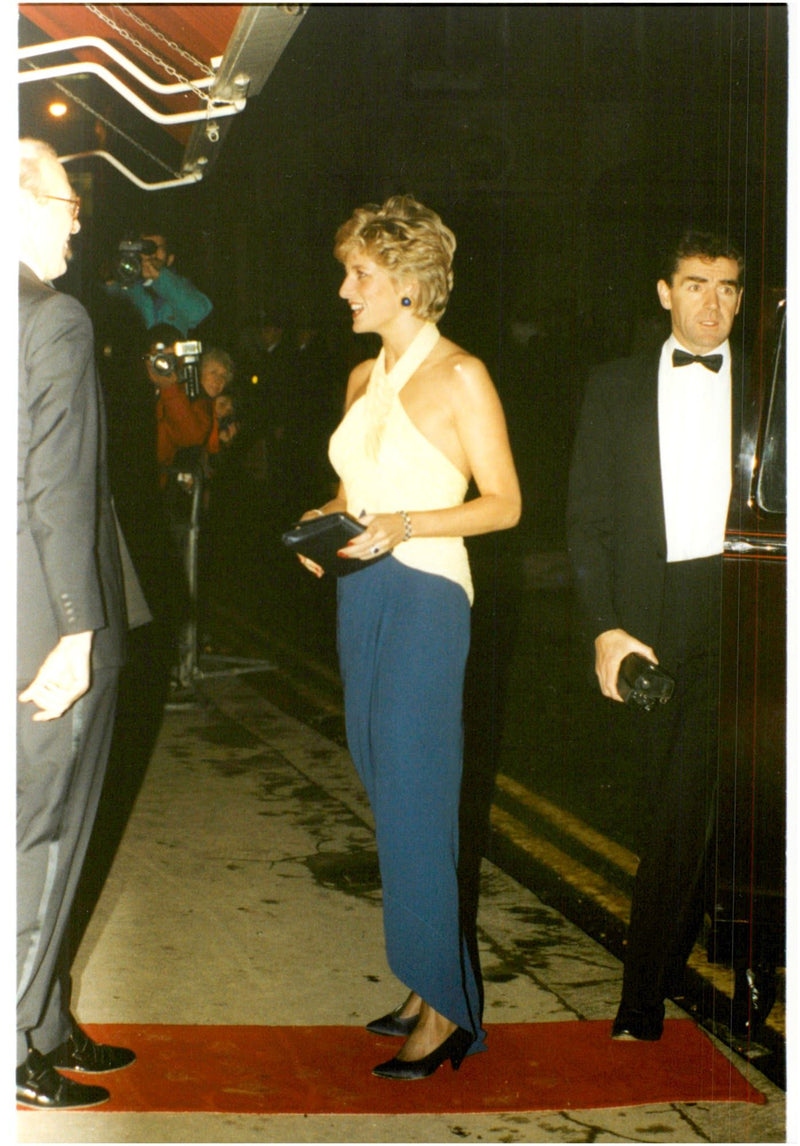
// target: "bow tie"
[[710, 361]]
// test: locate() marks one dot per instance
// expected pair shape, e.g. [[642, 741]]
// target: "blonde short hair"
[[409, 241], [217, 354]]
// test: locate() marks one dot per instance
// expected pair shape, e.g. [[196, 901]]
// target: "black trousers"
[[679, 768], [61, 765]]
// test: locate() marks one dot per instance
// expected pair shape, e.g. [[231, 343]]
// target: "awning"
[[156, 85]]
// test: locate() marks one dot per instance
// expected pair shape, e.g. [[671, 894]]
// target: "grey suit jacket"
[[616, 531], [68, 566]]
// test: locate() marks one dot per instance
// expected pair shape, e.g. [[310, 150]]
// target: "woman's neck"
[[397, 340]]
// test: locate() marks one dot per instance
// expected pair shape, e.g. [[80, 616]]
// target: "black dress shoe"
[[454, 1047], [392, 1024], [81, 1053], [753, 998], [646, 1024], [43, 1088]]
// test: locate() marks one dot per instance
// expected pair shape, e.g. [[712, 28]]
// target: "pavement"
[[244, 890]]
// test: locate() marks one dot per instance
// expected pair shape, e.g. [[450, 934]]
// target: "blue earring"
[[405, 300]]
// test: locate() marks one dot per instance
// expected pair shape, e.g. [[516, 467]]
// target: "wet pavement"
[[553, 776], [245, 890]]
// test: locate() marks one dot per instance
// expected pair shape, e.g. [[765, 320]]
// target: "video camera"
[[127, 268], [182, 360]]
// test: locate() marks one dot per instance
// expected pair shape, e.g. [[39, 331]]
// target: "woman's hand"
[[310, 565], [383, 532], [337, 504]]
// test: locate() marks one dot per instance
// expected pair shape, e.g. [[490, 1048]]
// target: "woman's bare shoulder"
[[361, 372], [459, 368]]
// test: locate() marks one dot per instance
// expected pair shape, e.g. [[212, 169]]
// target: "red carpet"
[[326, 1070]]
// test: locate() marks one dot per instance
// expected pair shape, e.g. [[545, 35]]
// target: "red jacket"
[[181, 423]]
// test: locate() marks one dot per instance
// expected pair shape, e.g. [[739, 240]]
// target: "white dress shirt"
[[694, 428]]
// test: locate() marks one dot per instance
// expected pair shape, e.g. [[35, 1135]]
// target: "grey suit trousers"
[[61, 766]]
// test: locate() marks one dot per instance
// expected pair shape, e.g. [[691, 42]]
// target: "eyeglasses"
[[75, 203]]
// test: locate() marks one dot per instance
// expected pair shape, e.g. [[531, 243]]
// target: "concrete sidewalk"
[[245, 890]]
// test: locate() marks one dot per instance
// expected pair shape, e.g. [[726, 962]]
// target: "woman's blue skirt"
[[403, 639]]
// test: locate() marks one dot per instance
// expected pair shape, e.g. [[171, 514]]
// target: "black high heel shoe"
[[454, 1047], [393, 1024]]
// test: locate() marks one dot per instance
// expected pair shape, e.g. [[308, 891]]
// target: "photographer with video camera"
[[143, 272]]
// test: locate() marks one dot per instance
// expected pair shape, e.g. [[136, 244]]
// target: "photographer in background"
[[184, 421], [216, 377], [143, 273], [184, 415]]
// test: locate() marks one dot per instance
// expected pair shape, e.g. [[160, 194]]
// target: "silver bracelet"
[[407, 530]]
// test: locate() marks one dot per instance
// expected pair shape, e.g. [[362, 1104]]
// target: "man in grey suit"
[[648, 502], [70, 636]]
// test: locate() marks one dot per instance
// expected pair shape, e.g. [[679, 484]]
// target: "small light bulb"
[[57, 109]]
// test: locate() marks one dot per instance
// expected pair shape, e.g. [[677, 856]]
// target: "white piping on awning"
[[53, 46], [190, 177], [215, 107]]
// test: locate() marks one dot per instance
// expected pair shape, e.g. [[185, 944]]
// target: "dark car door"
[[750, 847]]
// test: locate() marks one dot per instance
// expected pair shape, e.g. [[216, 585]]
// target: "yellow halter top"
[[386, 464]]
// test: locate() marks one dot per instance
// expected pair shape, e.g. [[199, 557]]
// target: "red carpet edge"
[[327, 1070]]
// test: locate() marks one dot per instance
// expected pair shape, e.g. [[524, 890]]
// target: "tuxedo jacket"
[[68, 566], [616, 529]]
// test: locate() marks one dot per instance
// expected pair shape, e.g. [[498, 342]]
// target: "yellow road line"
[[571, 870], [603, 893], [570, 825]]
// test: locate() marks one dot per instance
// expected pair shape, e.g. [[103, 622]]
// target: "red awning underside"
[[201, 29]]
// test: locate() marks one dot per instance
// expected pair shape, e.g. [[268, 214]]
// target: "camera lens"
[[163, 363], [128, 263], [128, 269]]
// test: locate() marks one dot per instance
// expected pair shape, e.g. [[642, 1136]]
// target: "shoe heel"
[[454, 1047], [459, 1051]]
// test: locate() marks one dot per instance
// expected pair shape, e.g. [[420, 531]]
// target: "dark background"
[[564, 144], [560, 142]]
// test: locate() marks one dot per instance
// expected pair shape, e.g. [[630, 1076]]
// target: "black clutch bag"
[[642, 683], [321, 538]]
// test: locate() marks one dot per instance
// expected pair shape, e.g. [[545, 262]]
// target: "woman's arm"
[[480, 425], [336, 504]]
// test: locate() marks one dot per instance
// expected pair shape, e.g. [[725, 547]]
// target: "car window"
[[771, 491]]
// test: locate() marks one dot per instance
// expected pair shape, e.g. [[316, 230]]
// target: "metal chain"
[[184, 52], [98, 115], [151, 55]]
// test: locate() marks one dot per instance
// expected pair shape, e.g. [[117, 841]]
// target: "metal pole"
[[187, 669]]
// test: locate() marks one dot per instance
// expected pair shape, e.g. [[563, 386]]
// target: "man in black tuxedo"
[[70, 636], [648, 500]]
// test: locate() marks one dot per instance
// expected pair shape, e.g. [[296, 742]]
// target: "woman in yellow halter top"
[[421, 421]]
